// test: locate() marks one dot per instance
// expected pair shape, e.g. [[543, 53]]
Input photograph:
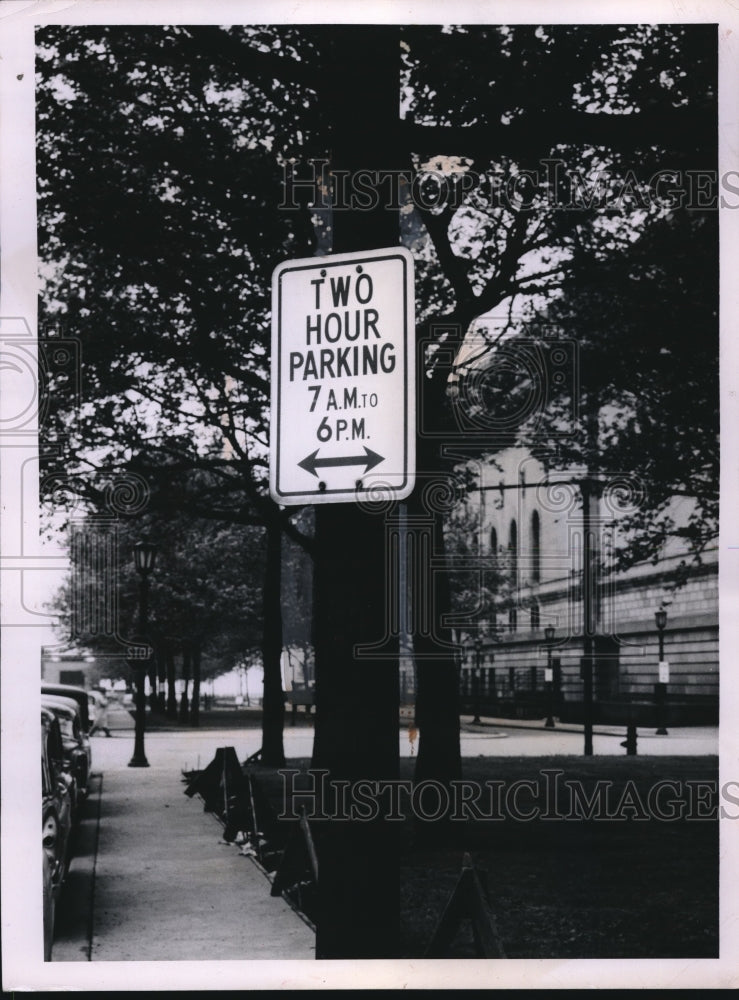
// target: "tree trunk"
[[153, 673], [437, 677], [273, 705], [161, 654], [195, 703], [186, 659], [436, 659], [171, 690]]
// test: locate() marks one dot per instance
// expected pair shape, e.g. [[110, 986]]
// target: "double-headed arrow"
[[369, 460]]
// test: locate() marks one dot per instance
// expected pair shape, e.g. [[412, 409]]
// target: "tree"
[[560, 136], [204, 592], [650, 381], [479, 585], [160, 180], [154, 228]]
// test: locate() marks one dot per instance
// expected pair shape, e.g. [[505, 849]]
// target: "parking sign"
[[343, 378]]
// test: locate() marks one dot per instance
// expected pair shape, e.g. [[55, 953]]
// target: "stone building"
[[530, 539]]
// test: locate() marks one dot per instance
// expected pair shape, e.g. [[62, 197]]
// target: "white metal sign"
[[343, 378]]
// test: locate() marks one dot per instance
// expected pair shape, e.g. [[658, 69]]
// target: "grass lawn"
[[584, 888], [620, 884]]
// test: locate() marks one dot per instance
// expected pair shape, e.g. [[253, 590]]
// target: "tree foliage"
[[158, 234], [650, 380], [205, 588], [161, 154], [529, 156]]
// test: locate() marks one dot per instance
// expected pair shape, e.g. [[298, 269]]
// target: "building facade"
[[531, 545], [70, 666]]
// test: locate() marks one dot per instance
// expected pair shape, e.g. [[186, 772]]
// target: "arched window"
[[513, 552], [494, 541], [535, 547]]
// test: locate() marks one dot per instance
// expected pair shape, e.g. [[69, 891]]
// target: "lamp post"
[[476, 680], [549, 676], [660, 688], [144, 556]]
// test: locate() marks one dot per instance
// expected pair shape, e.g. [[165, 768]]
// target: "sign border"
[[387, 489]]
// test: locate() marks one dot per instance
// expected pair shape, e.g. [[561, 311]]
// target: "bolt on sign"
[[342, 424]]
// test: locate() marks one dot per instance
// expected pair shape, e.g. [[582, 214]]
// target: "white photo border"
[[22, 553]]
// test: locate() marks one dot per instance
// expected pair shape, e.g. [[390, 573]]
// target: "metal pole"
[[139, 755], [149, 666], [549, 724], [660, 688], [588, 585], [476, 684]]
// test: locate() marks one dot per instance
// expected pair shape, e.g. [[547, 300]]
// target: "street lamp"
[[476, 680], [660, 688], [549, 676], [144, 556]]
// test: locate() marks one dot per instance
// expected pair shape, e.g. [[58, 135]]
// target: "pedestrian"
[[100, 722]]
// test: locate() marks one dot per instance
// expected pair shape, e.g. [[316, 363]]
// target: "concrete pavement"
[[153, 879], [532, 738]]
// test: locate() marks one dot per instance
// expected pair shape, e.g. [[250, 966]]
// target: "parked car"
[[79, 695], [49, 903], [56, 821], [76, 748]]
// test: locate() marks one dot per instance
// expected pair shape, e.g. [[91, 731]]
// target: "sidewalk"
[[152, 878], [599, 729], [517, 737]]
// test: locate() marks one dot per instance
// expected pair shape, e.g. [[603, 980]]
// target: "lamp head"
[[144, 556]]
